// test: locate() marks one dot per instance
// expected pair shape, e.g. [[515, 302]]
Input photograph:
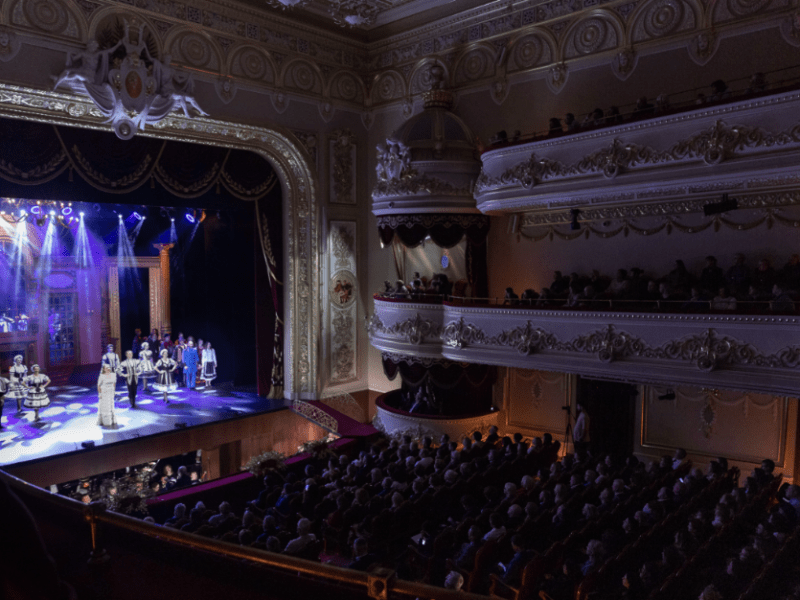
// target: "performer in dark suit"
[[130, 369], [190, 360]]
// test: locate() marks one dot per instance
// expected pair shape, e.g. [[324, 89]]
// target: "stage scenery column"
[[165, 318]]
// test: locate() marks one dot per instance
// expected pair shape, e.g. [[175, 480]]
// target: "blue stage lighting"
[[81, 214], [137, 216], [66, 211], [36, 210], [52, 213], [190, 218]]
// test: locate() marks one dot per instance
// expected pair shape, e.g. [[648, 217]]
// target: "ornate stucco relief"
[[342, 306]]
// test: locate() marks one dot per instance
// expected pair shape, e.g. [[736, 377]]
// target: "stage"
[[71, 417]]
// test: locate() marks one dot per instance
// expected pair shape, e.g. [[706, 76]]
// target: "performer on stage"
[[190, 359], [154, 340], [110, 358], [177, 355], [147, 368], [209, 364], [16, 375], [3, 391], [130, 369], [37, 383], [106, 386], [165, 367], [136, 346]]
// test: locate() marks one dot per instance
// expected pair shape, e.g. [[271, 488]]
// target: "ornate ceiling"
[[371, 19]]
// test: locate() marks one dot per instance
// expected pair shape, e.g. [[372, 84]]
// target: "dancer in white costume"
[[146, 366], [106, 386], [37, 383], [165, 368], [3, 391], [16, 375], [209, 372]]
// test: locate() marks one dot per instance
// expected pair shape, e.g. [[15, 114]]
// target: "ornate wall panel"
[[347, 86], [475, 65], [388, 86], [342, 306], [196, 50], [709, 422], [529, 51], [302, 76], [535, 399], [252, 63], [50, 17], [589, 36], [342, 150]]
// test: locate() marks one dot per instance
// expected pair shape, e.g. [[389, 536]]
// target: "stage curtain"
[[270, 227], [119, 167], [445, 229]]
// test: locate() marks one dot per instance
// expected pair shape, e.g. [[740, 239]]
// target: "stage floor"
[[71, 418]]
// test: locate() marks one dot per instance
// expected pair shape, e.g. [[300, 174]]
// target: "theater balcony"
[[755, 351], [687, 156]]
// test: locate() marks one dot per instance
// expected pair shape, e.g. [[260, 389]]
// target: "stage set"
[[76, 277]]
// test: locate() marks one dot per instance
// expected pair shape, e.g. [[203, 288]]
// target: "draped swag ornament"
[[116, 167]]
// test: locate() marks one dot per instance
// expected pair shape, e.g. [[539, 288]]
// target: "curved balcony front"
[[756, 352]]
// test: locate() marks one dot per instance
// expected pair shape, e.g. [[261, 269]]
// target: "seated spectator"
[[498, 529], [273, 544], [510, 297], [522, 556], [528, 297], [178, 514], [560, 285], [183, 479], [303, 539], [465, 558], [620, 286], [723, 301], [712, 278], [781, 301], [719, 91], [224, 516], [679, 279], [454, 581], [764, 276], [643, 108], [790, 274], [571, 123], [554, 126], [362, 558], [738, 276], [594, 551], [758, 83], [697, 301]]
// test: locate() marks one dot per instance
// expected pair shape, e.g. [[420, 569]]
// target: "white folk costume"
[[209, 371], [37, 392], [3, 391], [165, 369], [16, 388], [129, 370], [106, 386], [147, 370]]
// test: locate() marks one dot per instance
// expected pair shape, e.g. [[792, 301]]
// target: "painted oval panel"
[[133, 84]]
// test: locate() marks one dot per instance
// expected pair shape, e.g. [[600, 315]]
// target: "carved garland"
[[712, 146], [316, 415], [707, 350]]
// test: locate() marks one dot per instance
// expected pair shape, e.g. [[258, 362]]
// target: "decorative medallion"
[[343, 289]]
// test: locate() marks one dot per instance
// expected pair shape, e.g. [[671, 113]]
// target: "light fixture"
[[52, 213], [284, 4], [66, 211], [353, 13], [36, 210], [574, 225], [137, 216], [190, 217]]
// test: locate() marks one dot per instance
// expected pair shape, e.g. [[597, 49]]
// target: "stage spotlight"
[[52, 213], [190, 218], [137, 216], [172, 219], [66, 211], [82, 214], [36, 210]]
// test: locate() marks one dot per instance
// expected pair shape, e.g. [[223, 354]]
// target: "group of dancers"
[[29, 390], [175, 361]]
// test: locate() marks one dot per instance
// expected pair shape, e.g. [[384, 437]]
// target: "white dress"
[[16, 375], [165, 367], [105, 408], [209, 364], [37, 395], [147, 368]]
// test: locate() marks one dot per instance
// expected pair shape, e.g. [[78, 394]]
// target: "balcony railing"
[[753, 349]]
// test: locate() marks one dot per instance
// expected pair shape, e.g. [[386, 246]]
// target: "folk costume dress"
[[165, 369], [107, 382], [37, 394], [16, 389], [146, 366], [209, 372]]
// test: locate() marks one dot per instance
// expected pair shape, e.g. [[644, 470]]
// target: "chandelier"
[[354, 13], [284, 4]]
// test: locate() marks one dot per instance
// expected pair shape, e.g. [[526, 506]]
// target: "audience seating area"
[[505, 516]]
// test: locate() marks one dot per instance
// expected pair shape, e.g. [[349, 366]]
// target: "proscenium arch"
[[300, 206]]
